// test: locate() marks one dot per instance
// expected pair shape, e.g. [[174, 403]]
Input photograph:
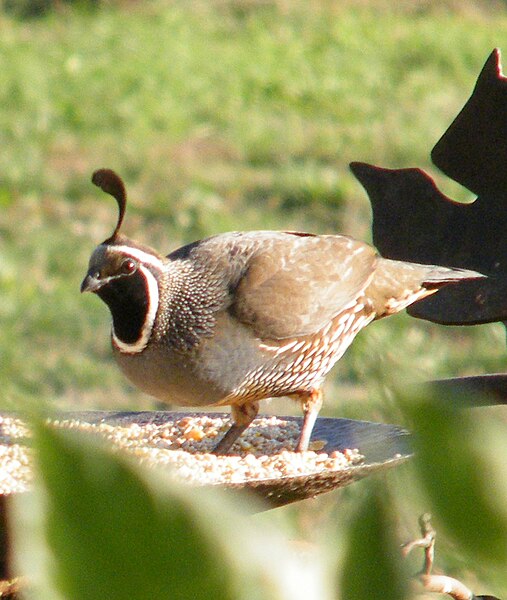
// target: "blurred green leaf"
[[94, 528], [460, 458], [372, 568]]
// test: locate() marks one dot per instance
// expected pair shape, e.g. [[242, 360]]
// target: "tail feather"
[[397, 284], [442, 275]]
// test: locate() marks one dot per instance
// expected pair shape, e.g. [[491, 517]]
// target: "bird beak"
[[90, 284]]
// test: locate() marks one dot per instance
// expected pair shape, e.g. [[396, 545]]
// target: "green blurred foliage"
[[373, 568], [96, 526], [459, 457]]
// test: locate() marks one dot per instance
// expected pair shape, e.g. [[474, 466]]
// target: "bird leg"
[[312, 403], [242, 416]]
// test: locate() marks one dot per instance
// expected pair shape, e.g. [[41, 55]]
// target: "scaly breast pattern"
[[287, 366]]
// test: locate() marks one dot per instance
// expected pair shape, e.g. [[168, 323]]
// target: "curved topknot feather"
[[111, 183]]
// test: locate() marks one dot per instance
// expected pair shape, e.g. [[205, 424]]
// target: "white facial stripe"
[[140, 255], [141, 343]]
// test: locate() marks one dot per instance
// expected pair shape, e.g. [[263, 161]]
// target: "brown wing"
[[295, 284]]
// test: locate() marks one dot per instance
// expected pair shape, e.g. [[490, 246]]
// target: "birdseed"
[[264, 451]]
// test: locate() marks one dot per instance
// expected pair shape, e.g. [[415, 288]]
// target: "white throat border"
[[153, 301]]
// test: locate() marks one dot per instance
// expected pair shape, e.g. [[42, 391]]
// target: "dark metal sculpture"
[[414, 221]]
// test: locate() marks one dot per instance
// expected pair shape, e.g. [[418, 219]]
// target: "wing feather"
[[293, 285]]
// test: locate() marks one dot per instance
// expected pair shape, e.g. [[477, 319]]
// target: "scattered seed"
[[264, 451]]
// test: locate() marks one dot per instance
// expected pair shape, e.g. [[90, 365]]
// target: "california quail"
[[240, 317]]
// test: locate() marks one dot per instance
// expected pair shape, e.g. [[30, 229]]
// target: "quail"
[[245, 316]]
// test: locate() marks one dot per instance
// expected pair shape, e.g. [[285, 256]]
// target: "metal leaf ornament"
[[414, 221]]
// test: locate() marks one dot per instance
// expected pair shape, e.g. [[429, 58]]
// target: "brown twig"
[[11, 589], [427, 542], [440, 584]]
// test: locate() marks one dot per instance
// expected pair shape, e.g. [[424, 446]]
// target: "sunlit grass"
[[220, 116]]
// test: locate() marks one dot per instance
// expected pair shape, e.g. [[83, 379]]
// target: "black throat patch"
[[128, 301]]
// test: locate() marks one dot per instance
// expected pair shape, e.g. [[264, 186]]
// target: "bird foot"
[[227, 441], [312, 403]]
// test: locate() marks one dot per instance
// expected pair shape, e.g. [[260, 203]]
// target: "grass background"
[[220, 115]]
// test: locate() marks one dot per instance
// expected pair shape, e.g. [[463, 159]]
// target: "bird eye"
[[128, 266]]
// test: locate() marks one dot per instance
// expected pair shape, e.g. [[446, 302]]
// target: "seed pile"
[[264, 451], [15, 461]]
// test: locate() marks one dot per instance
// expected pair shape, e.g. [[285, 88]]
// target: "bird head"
[[124, 274]]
